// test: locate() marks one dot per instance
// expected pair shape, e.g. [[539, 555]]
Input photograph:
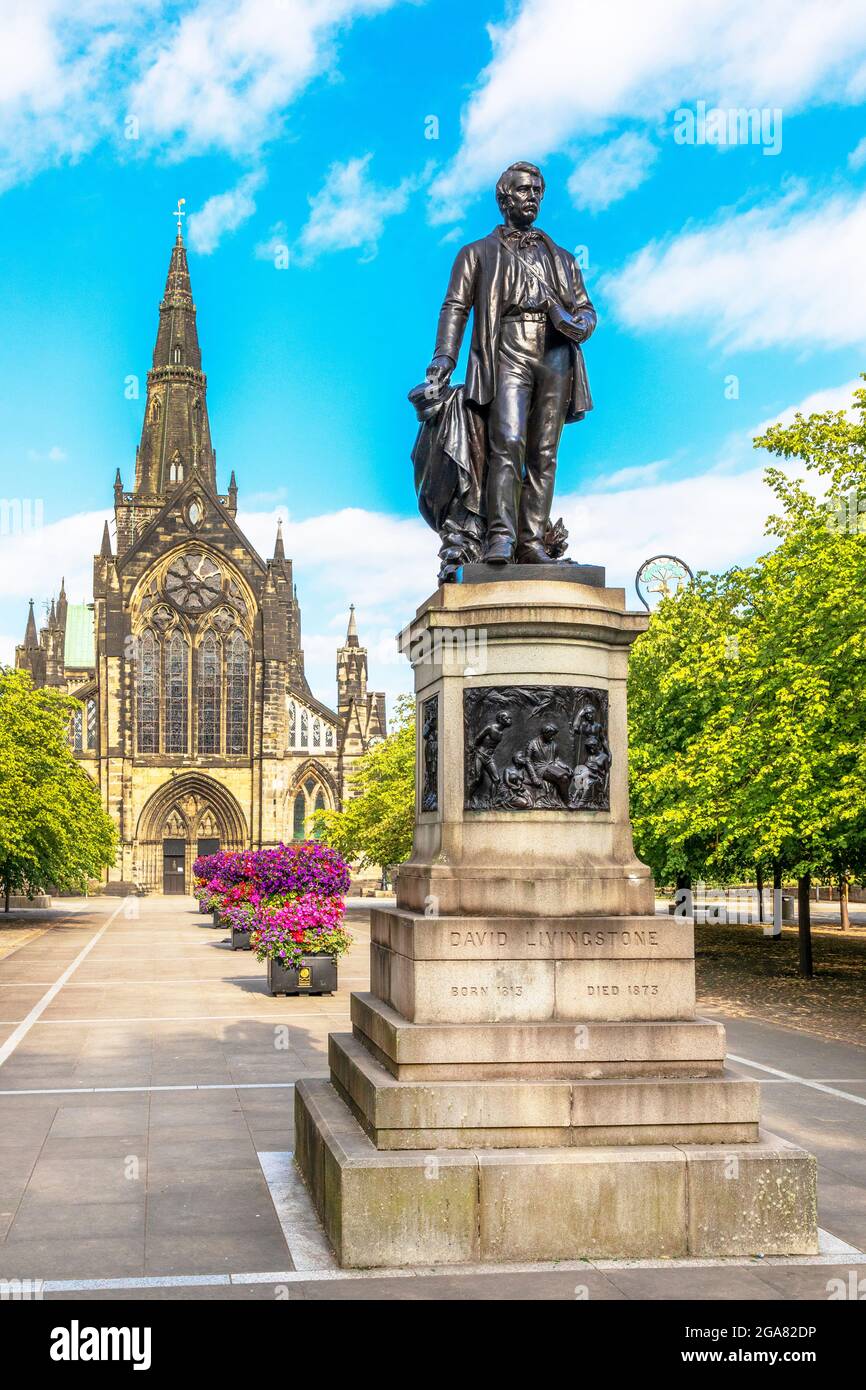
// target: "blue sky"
[[728, 276]]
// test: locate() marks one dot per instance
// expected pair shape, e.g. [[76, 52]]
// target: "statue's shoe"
[[535, 555], [497, 553]]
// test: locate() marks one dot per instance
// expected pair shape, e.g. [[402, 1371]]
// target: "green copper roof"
[[78, 651]]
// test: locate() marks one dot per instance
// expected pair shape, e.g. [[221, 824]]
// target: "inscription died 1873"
[[536, 748]]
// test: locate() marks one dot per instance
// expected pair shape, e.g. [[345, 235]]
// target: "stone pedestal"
[[526, 1079]]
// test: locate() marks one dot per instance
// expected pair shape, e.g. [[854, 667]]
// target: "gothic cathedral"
[[196, 717]]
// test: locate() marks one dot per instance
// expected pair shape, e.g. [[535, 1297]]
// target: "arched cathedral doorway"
[[188, 816]]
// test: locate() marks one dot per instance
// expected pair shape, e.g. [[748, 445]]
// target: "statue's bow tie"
[[521, 241]]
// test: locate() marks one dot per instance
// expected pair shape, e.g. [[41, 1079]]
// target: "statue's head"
[[503, 719], [549, 731], [519, 191]]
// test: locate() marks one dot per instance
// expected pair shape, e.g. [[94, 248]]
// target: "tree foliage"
[[376, 823], [53, 830], [747, 694]]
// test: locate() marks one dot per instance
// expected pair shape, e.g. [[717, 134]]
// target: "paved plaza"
[[146, 1093]]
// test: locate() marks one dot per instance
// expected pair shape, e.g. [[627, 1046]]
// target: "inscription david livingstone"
[[554, 937], [536, 748]]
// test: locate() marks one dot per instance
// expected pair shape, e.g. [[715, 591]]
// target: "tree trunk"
[[7, 894], [804, 925], [844, 918], [776, 934], [759, 882]]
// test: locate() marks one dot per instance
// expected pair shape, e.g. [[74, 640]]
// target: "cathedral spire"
[[352, 630], [279, 550], [105, 548], [175, 436]]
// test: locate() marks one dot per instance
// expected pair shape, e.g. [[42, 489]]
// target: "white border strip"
[[800, 1080], [38, 1009], [309, 1276], [136, 1090]]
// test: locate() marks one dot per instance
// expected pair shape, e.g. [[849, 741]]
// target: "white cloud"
[[857, 157], [53, 455], [181, 76], [221, 77], [59, 70], [275, 246], [222, 213], [612, 171], [771, 276], [32, 560], [631, 476], [349, 211], [562, 72], [818, 403]]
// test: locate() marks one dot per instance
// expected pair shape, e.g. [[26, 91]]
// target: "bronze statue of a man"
[[525, 379]]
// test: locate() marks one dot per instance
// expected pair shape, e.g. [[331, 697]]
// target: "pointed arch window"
[[208, 695], [305, 729], [177, 353], [329, 738], [91, 724], [319, 805], [175, 468], [293, 723], [176, 695], [237, 694], [317, 734], [77, 739], [299, 816], [155, 410], [147, 692]]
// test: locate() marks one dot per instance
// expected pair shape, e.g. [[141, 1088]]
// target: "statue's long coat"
[[477, 283]]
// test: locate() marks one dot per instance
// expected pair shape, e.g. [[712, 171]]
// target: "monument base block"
[[385, 1209], [526, 1079]]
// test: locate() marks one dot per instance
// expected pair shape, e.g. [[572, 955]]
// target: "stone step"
[[511, 884], [533, 938], [532, 991], [388, 1209], [518, 1050], [540, 1113]]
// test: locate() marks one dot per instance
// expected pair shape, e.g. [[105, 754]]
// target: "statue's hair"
[[521, 167]]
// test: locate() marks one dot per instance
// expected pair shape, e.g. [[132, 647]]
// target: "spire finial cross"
[[179, 213]]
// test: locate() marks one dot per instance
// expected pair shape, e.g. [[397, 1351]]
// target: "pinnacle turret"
[[31, 636]]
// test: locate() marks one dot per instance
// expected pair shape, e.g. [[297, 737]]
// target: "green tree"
[[748, 704], [376, 823], [53, 830]]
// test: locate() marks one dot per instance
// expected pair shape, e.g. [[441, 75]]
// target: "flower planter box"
[[312, 975], [217, 920], [240, 940], [201, 906]]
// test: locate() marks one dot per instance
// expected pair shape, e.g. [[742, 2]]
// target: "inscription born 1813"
[[536, 748]]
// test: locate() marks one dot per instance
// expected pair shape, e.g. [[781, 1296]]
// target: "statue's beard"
[[523, 218]]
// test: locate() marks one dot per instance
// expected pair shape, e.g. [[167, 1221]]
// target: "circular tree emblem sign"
[[660, 577]]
